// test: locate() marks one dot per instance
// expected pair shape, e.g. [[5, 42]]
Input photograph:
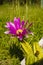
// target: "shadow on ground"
[[15, 51], [40, 62]]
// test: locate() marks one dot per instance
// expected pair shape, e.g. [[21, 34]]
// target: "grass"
[[7, 13]]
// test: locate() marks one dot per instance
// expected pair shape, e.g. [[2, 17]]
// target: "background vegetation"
[[21, 2], [11, 54]]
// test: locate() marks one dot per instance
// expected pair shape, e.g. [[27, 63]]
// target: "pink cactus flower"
[[18, 28]]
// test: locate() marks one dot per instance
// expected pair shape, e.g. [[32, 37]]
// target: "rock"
[[23, 62], [41, 42]]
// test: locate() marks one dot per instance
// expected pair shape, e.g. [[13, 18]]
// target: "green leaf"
[[38, 51], [30, 58]]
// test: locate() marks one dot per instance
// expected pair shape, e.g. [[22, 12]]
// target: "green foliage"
[[30, 58], [38, 51], [13, 61], [32, 14], [34, 55]]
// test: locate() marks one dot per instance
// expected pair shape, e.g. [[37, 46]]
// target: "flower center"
[[19, 31]]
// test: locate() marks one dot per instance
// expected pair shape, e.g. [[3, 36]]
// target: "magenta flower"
[[18, 28]]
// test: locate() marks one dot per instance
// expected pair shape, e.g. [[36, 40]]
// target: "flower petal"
[[23, 22], [26, 36], [17, 22], [30, 32], [24, 32], [20, 37], [12, 28], [7, 32], [8, 25], [30, 25]]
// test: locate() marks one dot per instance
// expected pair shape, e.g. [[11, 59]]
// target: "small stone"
[[23, 62], [41, 42]]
